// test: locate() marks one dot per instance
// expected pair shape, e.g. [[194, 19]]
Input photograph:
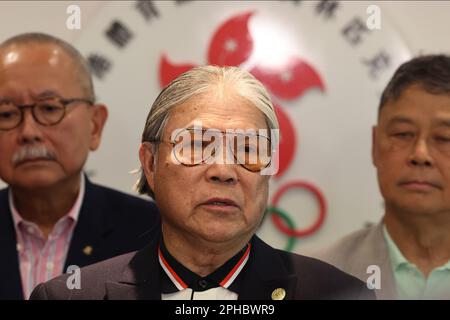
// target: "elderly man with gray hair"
[[51, 215], [208, 150]]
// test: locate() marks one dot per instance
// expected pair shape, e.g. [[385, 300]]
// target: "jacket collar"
[[140, 279]]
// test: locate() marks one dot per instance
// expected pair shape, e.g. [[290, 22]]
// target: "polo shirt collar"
[[398, 260]]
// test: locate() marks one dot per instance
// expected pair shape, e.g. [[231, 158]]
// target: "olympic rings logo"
[[288, 226]]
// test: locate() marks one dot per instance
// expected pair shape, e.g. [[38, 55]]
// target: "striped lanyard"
[[225, 283]]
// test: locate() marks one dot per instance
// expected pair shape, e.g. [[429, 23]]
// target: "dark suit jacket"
[[137, 276], [111, 222]]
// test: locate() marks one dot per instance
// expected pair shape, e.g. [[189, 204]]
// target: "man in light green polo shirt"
[[407, 254], [410, 282]]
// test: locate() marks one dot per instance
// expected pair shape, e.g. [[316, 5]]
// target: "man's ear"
[[98, 120], [374, 151], [147, 158]]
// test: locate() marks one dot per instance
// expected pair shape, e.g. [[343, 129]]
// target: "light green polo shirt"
[[410, 281]]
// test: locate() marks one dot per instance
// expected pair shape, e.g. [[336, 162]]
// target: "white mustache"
[[32, 152]]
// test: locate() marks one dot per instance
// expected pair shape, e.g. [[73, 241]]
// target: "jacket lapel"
[[381, 250], [92, 226], [140, 279], [265, 273], [10, 282], [374, 251]]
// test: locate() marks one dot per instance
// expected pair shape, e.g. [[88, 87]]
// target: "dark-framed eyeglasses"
[[192, 147], [48, 112]]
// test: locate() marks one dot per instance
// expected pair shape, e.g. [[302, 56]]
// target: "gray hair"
[[80, 63], [192, 83]]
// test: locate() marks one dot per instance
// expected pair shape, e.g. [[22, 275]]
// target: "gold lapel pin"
[[88, 250], [278, 294]]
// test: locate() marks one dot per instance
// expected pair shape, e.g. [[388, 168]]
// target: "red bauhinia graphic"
[[232, 43]]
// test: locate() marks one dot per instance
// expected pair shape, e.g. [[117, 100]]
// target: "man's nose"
[[223, 169], [30, 130], [420, 155], [222, 173]]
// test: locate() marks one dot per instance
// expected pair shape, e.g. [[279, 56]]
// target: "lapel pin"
[[278, 294], [88, 250]]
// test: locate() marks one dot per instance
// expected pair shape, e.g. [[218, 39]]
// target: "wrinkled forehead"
[[217, 111], [417, 106]]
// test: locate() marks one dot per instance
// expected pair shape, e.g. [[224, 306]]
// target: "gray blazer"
[[358, 250]]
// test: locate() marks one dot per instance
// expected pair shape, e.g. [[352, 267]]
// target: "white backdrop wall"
[[332, 125]]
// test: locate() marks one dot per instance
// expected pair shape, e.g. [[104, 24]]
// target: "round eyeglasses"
[[47, 112]]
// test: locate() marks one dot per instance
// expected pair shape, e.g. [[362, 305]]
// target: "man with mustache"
[[208, 149], [51, 215], [411, 152]]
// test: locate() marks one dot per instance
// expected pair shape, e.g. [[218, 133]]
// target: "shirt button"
[[19, 247], [50, 265], [30, 230], [203, 283]]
